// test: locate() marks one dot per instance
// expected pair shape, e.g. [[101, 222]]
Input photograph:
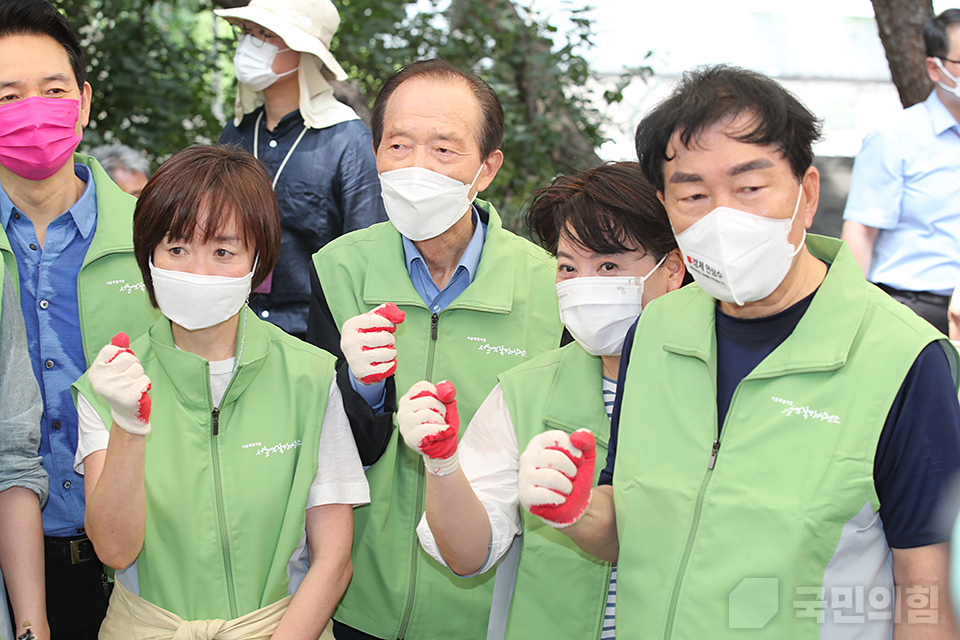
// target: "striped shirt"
[[609, 628]]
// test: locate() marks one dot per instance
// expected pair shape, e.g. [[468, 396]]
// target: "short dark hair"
[[609, 209], [708, 95], [229, 184], [935, 33], [488, 138], [40, 18]]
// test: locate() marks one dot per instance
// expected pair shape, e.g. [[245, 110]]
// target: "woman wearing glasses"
[[318, 153]]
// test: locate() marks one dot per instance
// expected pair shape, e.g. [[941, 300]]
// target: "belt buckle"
[[75, 550]]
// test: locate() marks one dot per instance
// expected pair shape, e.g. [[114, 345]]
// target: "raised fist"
[[116, 375], [429, 423], [367, 343], [556, 476]]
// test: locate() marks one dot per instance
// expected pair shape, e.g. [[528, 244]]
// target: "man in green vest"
[[66, 238], [467, 301], [783, 428]]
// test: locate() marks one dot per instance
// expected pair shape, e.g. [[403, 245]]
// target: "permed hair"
[[708, 95], [609, 209]]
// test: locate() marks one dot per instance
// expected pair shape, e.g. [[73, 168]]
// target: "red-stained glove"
[[116, 375], [367, 343], [556, 476], [429, 423]]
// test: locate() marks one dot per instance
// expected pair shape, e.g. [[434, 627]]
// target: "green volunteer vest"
[[557, 390], [794, 464], [110, 289], [226, 504], [507, 314]]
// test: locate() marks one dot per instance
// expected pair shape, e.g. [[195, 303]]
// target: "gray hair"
[[119, 156]]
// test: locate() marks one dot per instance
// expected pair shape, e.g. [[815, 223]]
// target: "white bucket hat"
[[306, 26]]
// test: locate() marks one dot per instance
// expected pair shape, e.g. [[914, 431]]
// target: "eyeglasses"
[[260, 35], [949, 60]]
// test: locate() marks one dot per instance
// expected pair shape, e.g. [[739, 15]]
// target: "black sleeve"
[[371, 431], [322, 329], [918, 453], [606, 476]]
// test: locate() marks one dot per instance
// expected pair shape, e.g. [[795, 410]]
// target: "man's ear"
[[489, 171], [811, 189], [676, 270], [933, 72], [86, 94]]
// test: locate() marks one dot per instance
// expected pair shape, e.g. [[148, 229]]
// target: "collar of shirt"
[[83, 211], [469, 261], [289, 122], [941, 119]]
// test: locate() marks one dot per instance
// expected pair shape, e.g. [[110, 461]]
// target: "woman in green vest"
[[615, 253], [216, 451]]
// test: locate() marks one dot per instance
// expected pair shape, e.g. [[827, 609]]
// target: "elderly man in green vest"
[[441, 291], [66, 235], [783, 428]]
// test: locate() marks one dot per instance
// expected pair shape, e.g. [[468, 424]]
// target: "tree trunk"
[[900, 23]]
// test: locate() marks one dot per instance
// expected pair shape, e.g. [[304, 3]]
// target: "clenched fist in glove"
[[428, 421], [556, 476], [367, 343], [116, 375]]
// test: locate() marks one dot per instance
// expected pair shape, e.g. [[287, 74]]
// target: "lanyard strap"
[[256, 147]]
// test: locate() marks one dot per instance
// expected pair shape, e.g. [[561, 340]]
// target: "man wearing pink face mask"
[[66, 238]]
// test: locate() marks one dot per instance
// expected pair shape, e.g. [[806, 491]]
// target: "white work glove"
[[429, 423], [367, 343], [556, 476], [116, 375]]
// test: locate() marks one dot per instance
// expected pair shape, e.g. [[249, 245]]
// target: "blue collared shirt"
[[906, 182], [48, 298], [435, 299]]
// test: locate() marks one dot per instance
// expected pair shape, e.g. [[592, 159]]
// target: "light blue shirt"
[[435, 299], [906, 182], [48, 298]]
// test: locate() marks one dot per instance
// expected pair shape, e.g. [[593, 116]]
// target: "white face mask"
[[254, 63], [196, 302], [422, 203], [737, 256], [955, 89], [598, 310]]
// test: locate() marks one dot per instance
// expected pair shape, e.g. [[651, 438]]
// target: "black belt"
[[919, 296], [76, 550]]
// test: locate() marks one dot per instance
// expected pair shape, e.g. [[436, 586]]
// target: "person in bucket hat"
[[317, 151]]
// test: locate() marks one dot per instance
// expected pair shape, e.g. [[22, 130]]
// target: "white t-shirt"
[[340, 476], [490, 458]]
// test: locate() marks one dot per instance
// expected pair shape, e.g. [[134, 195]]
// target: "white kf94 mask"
[[598, 310], [422, 203], [253, 63], [737, 256], [196, 302]]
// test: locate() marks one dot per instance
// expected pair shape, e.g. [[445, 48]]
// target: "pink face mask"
[[38, 135]]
